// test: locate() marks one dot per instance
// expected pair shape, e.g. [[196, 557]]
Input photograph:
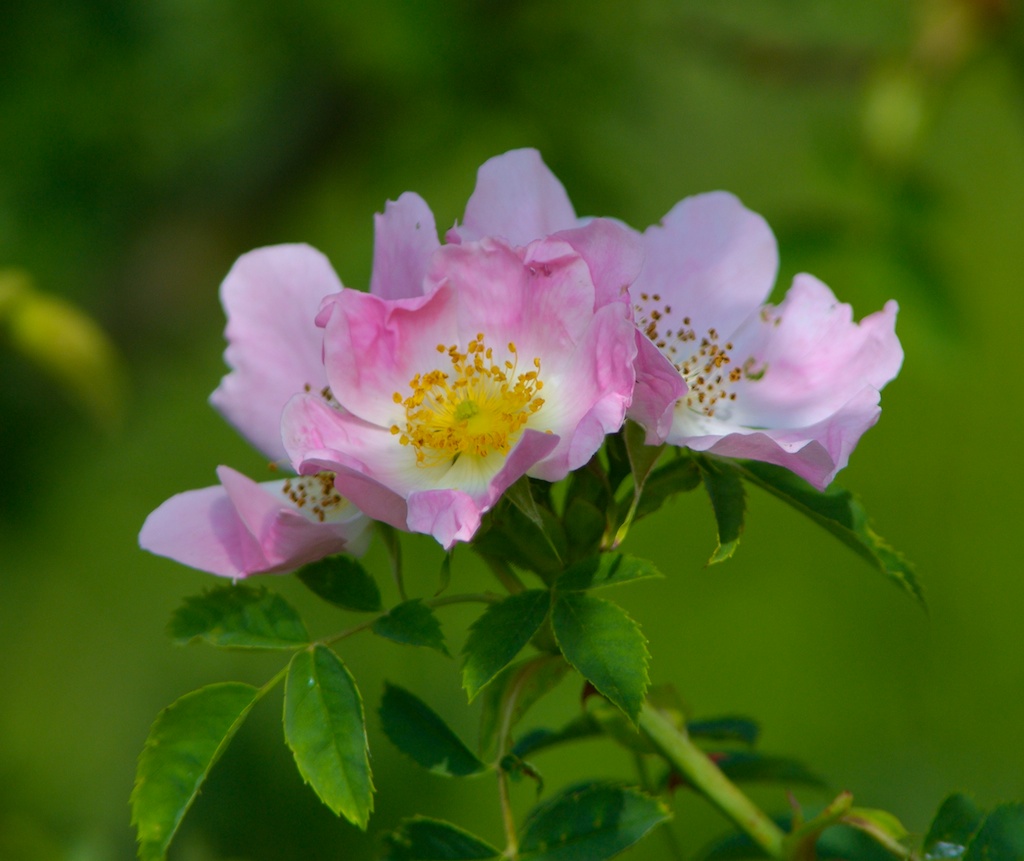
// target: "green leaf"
[[606, 569], [601, 641], [444, 578], [325, 728], [952, 828], [423, 839], [420, 733], [585, 525], [729, 503], [515, 539], [746, 766], [725, 729], [185, 741], [838, 511], [680, 475], [591, 822], [412, 623], [342, 581], [581, 727], [499, 635], [642, 456], [241, 617], [528, 680], [882, 827], [1001, 836]]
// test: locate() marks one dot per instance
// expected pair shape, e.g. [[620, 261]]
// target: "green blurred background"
[[145, 146]]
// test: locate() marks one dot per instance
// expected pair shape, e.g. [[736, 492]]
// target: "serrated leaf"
[[605, 645], [420, 733], [412, 623], [185, 741], [739, 729], [606, 569], [1001, 836], [344, 582], [956, 821], [423, 839], [591, 822], [728, 501], [326, 731], [838, 511], [499, 635], [528, 680], [239, 616]]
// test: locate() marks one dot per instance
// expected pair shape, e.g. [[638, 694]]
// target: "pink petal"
[[817, 358], [404, 238], [614, 254], [815, 453], [711, 260], [244, 527], [658, 387], [373, 348], [200, 528], [449, 516], [587, 391], [520, 295], [516, 198], [271, 296]]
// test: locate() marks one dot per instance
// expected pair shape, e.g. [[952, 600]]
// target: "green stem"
[[694, 764]]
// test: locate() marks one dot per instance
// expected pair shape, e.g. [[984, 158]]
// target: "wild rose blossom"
[[508, 364], [795, 384], [717, 369], [242, 527]]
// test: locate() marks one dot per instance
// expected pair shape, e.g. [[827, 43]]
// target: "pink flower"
[[242, 527], [795, 385], [717, 370], [506, 364]]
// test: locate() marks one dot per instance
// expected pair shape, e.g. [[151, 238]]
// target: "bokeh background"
[[144, 146]]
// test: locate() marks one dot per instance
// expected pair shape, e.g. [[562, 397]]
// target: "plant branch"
[[694, 764]]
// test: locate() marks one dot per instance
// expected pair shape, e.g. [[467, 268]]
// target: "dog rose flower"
[[506, 365], [795, 384], [242, 527]]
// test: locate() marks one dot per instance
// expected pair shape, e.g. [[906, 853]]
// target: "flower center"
[[701, 362], [315, 495], [480, 406]]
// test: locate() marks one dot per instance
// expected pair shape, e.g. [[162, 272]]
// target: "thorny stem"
[[694, 764]]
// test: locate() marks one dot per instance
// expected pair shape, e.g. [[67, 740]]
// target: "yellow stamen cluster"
[[316, 491], [481, 406], [701, 363]]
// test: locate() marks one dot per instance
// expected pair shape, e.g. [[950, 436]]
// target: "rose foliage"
[[530, 386]]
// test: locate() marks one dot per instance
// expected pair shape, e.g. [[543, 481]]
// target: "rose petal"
[[271, 296], [404, 238], [516, 198]]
